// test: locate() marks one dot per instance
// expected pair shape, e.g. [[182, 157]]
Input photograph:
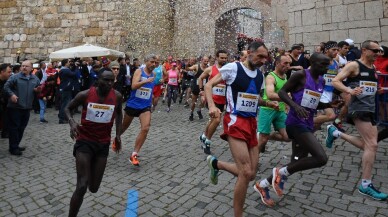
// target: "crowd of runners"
[[258, 96]]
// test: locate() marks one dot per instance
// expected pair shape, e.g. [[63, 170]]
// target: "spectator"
[[20, 89], [354, 53], [5, 73], [47, 92], [66, 88]]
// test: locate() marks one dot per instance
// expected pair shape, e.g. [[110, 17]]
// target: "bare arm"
[[204, 75], [296, 81], [136, 81], [78, 100], [270, 88], [350, 70], [213, 110]]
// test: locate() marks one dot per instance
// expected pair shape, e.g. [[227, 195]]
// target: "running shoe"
[[206, 146], [191, 118], [134, 161], [186, 104], [278, 181], [339, 126], [202, 138], [199, 114], [43, 121], [264, 194], [213, 171], [329, 137], [372, 192], [168, 109]]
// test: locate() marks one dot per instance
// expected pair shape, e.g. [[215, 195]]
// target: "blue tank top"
[[331, 73], [158, 74], [142, 97], [308, 97], [244, 98]]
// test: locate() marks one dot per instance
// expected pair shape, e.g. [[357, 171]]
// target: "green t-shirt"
[[279, 83]]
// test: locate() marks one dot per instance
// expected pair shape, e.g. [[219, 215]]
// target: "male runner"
[[219, 93], [277, 117], [101, 106], [306, 87], [362, 79], [244, 82], [198, 69], [159, 72], [328, 114], [139, 104]]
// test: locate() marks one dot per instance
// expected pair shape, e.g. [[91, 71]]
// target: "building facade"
[[34, 28]]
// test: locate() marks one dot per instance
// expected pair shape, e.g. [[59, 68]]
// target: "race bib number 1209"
[[247, 102]]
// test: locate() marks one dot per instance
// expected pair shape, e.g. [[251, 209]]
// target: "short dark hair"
[[341, 44], [256, 45], [221, 51], [64, 62], [366, 44], [385, 51], [50, 78], [279, 58], [4, 66], [119, 59], [16, 68]]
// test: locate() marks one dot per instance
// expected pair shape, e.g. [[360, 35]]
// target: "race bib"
[[219, 90], [310, 99], [172, 80], [247, 102], [143, 93], [368, 87], [99, 113], [328, 79]]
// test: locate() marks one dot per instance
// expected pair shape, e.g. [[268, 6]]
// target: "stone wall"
[[35, 28], [315, 21]]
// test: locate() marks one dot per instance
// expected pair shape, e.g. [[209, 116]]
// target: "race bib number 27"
[[310, 99], [99, 113]]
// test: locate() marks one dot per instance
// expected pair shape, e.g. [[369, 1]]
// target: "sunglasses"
[[374, 50]]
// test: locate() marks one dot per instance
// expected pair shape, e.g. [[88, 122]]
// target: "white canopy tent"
[[86, 50]]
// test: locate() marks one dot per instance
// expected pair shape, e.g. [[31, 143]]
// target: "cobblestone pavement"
[[172, 179]]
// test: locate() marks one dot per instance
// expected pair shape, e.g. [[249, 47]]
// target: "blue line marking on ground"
[[132, 204]]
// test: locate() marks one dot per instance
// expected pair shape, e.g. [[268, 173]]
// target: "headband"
[[331, 45]]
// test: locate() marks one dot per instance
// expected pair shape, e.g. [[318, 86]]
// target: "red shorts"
[[240, 128], [157, 91]]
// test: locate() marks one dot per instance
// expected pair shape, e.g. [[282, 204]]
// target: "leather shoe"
[[22, 148], [16, 152]]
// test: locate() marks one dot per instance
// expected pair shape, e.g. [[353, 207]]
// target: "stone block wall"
[[315, 21], [35, 28]]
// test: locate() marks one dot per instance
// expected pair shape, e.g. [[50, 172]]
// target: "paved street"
[[172, 179]]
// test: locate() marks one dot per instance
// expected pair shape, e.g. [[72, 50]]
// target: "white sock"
[[283, 171], [134, 153], [207, 141], [264, 183], [203, 136], [337, 133], [365, 182]]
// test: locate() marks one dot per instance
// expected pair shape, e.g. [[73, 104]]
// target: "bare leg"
[[244, 159], [145, 122], [126, 122], [83, 167], [369, 135], [97, 172]]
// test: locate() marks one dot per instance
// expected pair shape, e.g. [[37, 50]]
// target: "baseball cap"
[[173, 64], [350, 41]]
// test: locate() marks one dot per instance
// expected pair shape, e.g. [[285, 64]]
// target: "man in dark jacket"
[[5, 73], [20, 89], [66, 88]]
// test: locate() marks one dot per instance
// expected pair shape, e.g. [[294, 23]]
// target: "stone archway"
[[235, 27]]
